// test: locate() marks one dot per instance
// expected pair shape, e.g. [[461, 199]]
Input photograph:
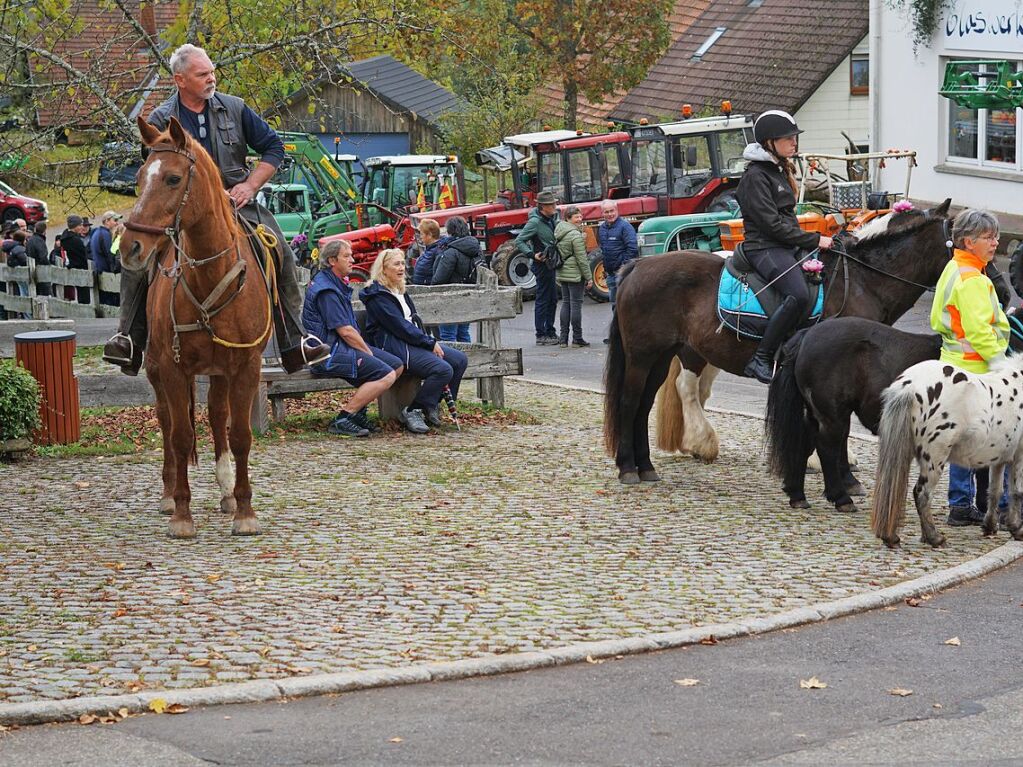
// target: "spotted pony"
[[937, 413]]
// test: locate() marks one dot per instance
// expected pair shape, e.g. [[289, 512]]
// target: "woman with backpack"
[[573, 276], [453, 266]]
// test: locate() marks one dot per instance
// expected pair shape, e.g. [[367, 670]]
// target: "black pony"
[[827, 373]]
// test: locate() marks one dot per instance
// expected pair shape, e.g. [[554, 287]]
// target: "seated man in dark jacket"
[[393, 325], [328, 313]]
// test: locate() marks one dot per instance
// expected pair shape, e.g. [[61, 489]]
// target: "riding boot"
[[782, 322], [125, 349]]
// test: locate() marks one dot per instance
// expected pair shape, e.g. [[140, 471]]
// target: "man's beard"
[[208, 93]]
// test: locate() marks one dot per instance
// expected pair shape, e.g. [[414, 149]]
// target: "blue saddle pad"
[[740, 309]]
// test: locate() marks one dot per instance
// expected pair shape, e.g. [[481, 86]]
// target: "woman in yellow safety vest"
[[974, 331]]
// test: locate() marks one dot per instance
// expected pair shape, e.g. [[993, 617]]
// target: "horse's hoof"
[[228, 504], [181, 528], [245, 526], [846, 508], [989, 531], [167, 505], [649, 475], [1017, 534], [629, 478], [799, 503], [892, 543], [937, 542], [856, 489]]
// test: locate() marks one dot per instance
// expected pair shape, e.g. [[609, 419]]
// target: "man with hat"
[[100, 243], [76, 252], [535, 237]]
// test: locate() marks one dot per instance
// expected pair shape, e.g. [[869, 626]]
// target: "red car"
[[14, 205]]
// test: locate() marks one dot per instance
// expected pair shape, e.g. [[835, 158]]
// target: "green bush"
[[19, 401]]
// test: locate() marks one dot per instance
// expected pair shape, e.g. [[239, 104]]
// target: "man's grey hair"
[[331, 250], [608, 204], [973, 223], [180, 58]]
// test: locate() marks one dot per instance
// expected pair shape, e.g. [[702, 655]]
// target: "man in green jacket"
[[536, 235]]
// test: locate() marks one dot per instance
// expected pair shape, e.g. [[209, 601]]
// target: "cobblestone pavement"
[[493, 540]]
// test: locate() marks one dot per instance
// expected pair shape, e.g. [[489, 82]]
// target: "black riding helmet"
[[774, 124]]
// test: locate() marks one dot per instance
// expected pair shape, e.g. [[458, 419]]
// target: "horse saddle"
[[745, 301]]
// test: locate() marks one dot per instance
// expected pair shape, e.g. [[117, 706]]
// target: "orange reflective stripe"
[[956, 322]]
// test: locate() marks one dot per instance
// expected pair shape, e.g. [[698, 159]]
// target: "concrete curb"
[[264, 691]]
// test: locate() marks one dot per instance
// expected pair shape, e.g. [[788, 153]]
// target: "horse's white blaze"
[[873, 228], [152, 172], [225, 475], [699, 437]]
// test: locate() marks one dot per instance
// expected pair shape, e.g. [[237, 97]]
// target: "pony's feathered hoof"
[[228, 504], [167, 505], [1017, 534], [649, 475], [246, 526], [856, 489], [935, 543], [181, 528], [847, 508], [629, 478], [799, 503]]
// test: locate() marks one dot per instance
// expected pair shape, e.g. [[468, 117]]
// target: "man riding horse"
[[226, 128]]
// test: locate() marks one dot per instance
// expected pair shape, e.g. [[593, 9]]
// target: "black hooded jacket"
[[768, 206], [454, 263]]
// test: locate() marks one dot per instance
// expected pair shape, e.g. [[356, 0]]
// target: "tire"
[[358, 275], [598, 290], [513, 268], [10, 213]]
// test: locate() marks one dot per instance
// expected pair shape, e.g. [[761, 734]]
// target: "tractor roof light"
[[643, 121], [687, 111], [337, 140], [610, 125], [578, 133], [726, 107]]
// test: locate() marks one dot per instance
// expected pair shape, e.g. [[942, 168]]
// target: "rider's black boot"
[[782, 322], [125, 349]]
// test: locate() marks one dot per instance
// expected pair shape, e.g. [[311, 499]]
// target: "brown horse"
[[209, 312], [666, 313]]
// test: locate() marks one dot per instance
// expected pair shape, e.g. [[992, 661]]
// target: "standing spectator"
[[76, 253], [536, 235], [429, 232], [100, 243], [617, 240], [453, 266], [38, 252], [18, 256], [574, 276]]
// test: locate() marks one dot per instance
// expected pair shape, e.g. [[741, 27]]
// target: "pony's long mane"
[[873, 241]]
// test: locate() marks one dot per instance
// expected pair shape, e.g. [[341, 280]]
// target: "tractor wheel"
[[598, 290], [360, 276], [10, 213], [512, 268]]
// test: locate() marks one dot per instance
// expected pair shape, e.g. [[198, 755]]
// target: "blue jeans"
[[612, 287], [436, 373], [546, 305], [459, 332], [961, 491]]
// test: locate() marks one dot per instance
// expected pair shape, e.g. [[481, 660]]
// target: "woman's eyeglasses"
[[202, 125]]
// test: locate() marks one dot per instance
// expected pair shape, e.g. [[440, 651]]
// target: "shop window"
[[859, 74]]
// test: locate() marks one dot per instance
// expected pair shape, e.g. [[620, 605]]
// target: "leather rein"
[[207, 308]]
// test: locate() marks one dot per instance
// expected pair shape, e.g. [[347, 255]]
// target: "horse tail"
[[194, 457], [784, 423], [671, 422], [894, 457], [614, 387]]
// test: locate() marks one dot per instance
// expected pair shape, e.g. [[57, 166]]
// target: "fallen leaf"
[[176, 708], [123, 713], [591, 659], [687, 682], [264, 651], [395, 740], [201, 662], [82, 485], [912, 601], [157, 705], [954, 641], [120, 612], [900, 691], [87, 719], [813, 683], [937, 705], [709, 640], [32, 648], [213, 577]]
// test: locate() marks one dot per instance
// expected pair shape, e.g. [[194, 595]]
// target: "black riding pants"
[[778, 266]]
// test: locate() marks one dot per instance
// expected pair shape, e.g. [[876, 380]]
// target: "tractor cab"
[[690, 165], [402, 183], [585, 168]]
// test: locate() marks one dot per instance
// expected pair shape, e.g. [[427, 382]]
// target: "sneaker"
[[413, 419], [547, 341], [963, 516], [361, 418], [580, 342], [346, 426], [433, 416]]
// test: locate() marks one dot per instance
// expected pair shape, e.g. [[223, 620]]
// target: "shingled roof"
[[404, 88], [772, 55]]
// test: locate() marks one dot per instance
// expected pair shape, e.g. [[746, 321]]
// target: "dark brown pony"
[[666, 313], [209, 313]]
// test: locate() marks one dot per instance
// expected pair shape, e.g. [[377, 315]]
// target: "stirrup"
[[310, 342], [120, 360]]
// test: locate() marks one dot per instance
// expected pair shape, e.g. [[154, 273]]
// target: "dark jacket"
[[423, 272], [386, 326], [537, 234], [617, 244], [328, 306], [768, 206], [455, 262], [16, 255], [74, 248], [37, 250], [99, 244]]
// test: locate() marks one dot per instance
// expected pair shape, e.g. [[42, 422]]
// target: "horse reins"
[[237, 271]]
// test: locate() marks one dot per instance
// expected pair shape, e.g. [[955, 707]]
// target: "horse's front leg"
[[218, 410], [177, 389], [169, 468], [928, 479], [242, 390], [699, 438]]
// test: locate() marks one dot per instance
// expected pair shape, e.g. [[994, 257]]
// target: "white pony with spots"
[[937, 413]]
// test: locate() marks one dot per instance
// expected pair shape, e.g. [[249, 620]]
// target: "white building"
[[971, 155]]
